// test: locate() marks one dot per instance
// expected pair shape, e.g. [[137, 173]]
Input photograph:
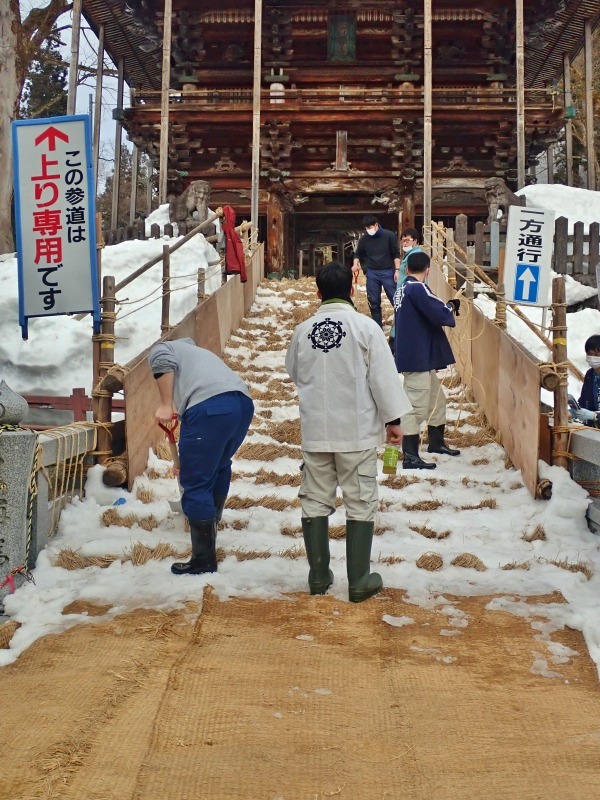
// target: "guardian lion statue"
[[499, 197], [195, 198]]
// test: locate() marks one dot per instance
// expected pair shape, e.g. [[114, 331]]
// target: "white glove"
[[584, 414]]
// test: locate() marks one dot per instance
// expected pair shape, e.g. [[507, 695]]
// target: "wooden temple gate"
[[322, 114]]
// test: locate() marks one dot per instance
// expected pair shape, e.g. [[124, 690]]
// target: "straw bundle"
[[517, 565], [263, 476], [112, 517], [287, 432], [574, 567], [422, 505], [430, 561], [428, 533], [301, 313], [71, 559], [469, 561], [480, 462], [390, 559], [337, 532], [489, 502], [536, 535], [271, 501], [400, 481], [452, 381], [141, 553], [471, 438], [6, 633], [144, 495], [249, 555], [295, 533], [267, 452], [293, 553], [239, 524]]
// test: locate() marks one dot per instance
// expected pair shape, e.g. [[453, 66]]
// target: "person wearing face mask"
[[409, 239], [378, 255], [589, 401]]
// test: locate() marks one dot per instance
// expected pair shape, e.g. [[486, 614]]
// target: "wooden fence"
[[504, 378]]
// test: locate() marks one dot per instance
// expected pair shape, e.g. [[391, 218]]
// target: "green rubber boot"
[[362, 583], [316, 540]]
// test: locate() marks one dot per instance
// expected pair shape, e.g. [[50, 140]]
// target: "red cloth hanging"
[[235, 260]]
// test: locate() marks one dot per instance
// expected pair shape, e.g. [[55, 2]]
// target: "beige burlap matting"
[[300, 699]]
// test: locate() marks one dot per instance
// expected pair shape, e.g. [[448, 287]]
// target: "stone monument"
[[17, 448]]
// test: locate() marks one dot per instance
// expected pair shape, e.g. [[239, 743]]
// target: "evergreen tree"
[[45, 90], [104, 200]]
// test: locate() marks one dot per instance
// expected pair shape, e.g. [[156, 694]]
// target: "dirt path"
[[299, 699]]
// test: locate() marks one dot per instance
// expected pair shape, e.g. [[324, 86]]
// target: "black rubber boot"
[[316, 540], [437, 443], [219, 500], [204, 554], [412, 459], [362, 583]]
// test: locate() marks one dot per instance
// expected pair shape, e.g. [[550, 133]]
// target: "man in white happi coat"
[[351, 400]]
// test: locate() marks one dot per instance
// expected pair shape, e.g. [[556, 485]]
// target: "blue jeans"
[[211, 432], [378, 279]]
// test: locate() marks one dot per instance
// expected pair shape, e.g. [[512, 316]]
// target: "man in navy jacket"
[[379, 256], [421, 349]]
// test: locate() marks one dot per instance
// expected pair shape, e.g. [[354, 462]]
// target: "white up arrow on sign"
[[527, 278]]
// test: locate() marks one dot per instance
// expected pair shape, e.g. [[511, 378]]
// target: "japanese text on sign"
[[54, 194]]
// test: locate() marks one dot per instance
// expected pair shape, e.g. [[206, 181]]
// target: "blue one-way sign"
[[527, 283], [528, 256]]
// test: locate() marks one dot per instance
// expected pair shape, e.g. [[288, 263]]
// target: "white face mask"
[[407, 247], [593, 361], [371, 231]]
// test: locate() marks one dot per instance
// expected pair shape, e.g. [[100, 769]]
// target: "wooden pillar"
[[311, 258], [589, 108], [116, 184], [135, 156], [568, 100], [406, 216], [150, 174], [550, 162], [98, 101], [165, 86], [560, 435], [96, 341], [74, 62], [520, 56], [256, 86], [341, 151], [275, 238], [103, 404], [427, 114], [166, 291]]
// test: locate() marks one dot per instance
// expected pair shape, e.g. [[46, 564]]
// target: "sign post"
[[528, 257], [55, 218]]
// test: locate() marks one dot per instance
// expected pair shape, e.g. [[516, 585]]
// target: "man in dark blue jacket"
[[421, 349], [379, 256]]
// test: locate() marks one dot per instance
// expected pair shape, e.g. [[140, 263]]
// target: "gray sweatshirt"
[[199, 374]]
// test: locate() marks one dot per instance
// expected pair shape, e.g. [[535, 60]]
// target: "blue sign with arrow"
[[527, 283]]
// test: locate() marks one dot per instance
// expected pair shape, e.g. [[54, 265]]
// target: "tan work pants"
[[427, 398], [356, 475]]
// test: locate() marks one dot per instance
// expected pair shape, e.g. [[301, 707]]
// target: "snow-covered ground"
[[477, 506]]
